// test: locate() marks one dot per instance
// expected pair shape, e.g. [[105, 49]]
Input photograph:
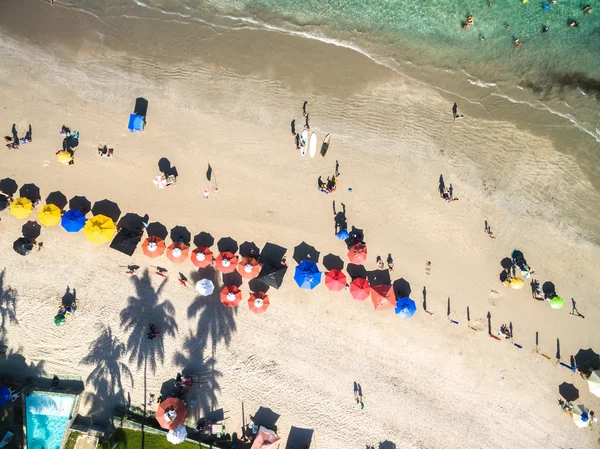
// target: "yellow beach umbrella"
[[516, 283], [49, 215], [64, 157], [99, 229], [21, 207]]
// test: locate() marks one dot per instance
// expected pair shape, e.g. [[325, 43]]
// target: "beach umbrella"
[[177, 252], [358, 253], [23, 246], [64, 157], [5, 395], [49, 215], [60, 320], [557, 302], [99, 229], [594, 383], [335, 280], [258, 302], [516, 283], [343, 234], [405, 307], [160, 182], [202, 257], [21, 207], [153, 246], [581, 416], [360, 289], [307, 275], [383, 297], [177, 436], [226, 262], [205, 287], [73, 220], [231, 295], [249, 267], [171, 413], [525, 272]]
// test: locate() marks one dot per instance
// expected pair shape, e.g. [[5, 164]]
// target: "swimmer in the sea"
[[587, 9], [507, 26], [517, 43], [574, 24], [544, 29]]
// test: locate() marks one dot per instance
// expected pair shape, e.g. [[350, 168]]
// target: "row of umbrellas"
[[231, 296]]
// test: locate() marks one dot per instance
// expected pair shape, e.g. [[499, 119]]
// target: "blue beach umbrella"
[[307, 275], [73, 220], [4, 396], [342, 235], [405, 307]]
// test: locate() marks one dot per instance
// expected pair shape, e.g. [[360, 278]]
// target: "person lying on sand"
[[379, 263], [105, 151], [390, 262], [446, 195], [504, 331]]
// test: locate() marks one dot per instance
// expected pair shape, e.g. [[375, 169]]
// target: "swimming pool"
[[47, 417]]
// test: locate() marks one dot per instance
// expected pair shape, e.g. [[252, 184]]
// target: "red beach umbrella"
[[335, 280], [258, 302], [249, 267], [358, 253], [177, 252], [360, 289], [226, 262], [231, 296], [171, 413], [202, 257], [153, 246], [383, 297]]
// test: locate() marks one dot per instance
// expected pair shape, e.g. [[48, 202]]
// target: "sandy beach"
[[427, 382]]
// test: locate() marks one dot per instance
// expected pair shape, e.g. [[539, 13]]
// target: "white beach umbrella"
[[205, 287], [581, 416], [160, 182], [594, 383], [177, 436]]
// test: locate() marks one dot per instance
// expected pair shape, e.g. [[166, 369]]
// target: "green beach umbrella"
[[557, 302], [60, 320]]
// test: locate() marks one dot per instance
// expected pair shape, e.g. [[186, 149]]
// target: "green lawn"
[[132, 439], [71, 440]]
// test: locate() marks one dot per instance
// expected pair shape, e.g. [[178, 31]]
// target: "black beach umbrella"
[[22, 246], [272, 275], [304, 251]]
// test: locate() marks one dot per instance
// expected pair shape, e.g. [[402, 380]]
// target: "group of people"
[[329, 186], [296, 135], [105, 151], [13, 143]]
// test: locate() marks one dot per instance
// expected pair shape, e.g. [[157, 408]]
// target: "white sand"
[[427, 383]]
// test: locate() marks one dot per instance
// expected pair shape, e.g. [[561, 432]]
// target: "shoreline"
[[410, 370]]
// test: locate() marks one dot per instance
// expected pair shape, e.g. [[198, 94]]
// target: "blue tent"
[[405, 307], [73, 220], [307, 275], [4, 396], [136, 122]]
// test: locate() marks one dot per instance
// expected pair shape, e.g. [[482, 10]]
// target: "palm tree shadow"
[[216, 322], [142, 311], [14, 366], [8, 303], [107, 376]]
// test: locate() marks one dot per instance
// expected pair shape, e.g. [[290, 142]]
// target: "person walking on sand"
[[304, 113], [293, 125]]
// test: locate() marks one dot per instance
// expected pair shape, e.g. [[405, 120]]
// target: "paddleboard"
[[303, 142], [325, 145], [313, 145]]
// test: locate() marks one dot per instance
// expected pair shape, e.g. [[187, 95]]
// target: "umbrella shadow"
[[143, 310], [165, 167], [506, 263], [31, 192], [402, 288], [356, 271], [304, 251], [132, 221], [387, 445], [568, 391], [8, 303], [181, 234], [204, 239], [587, 360], [58, 199], [227, 244], [233, 278], [157, 229], [333, 262], [107, 208], [379, 277], [548, 288], [356, 236], [249, 249], [8, 186], [107, 376], [31, 230], [80, 203], [299, 438], [141, 107], [267, 418], [255, 285], [272, 254]]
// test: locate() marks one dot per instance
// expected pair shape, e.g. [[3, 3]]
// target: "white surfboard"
[[313, 145], [303, 142]]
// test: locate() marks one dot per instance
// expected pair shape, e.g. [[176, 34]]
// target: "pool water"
[[47, 418]]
